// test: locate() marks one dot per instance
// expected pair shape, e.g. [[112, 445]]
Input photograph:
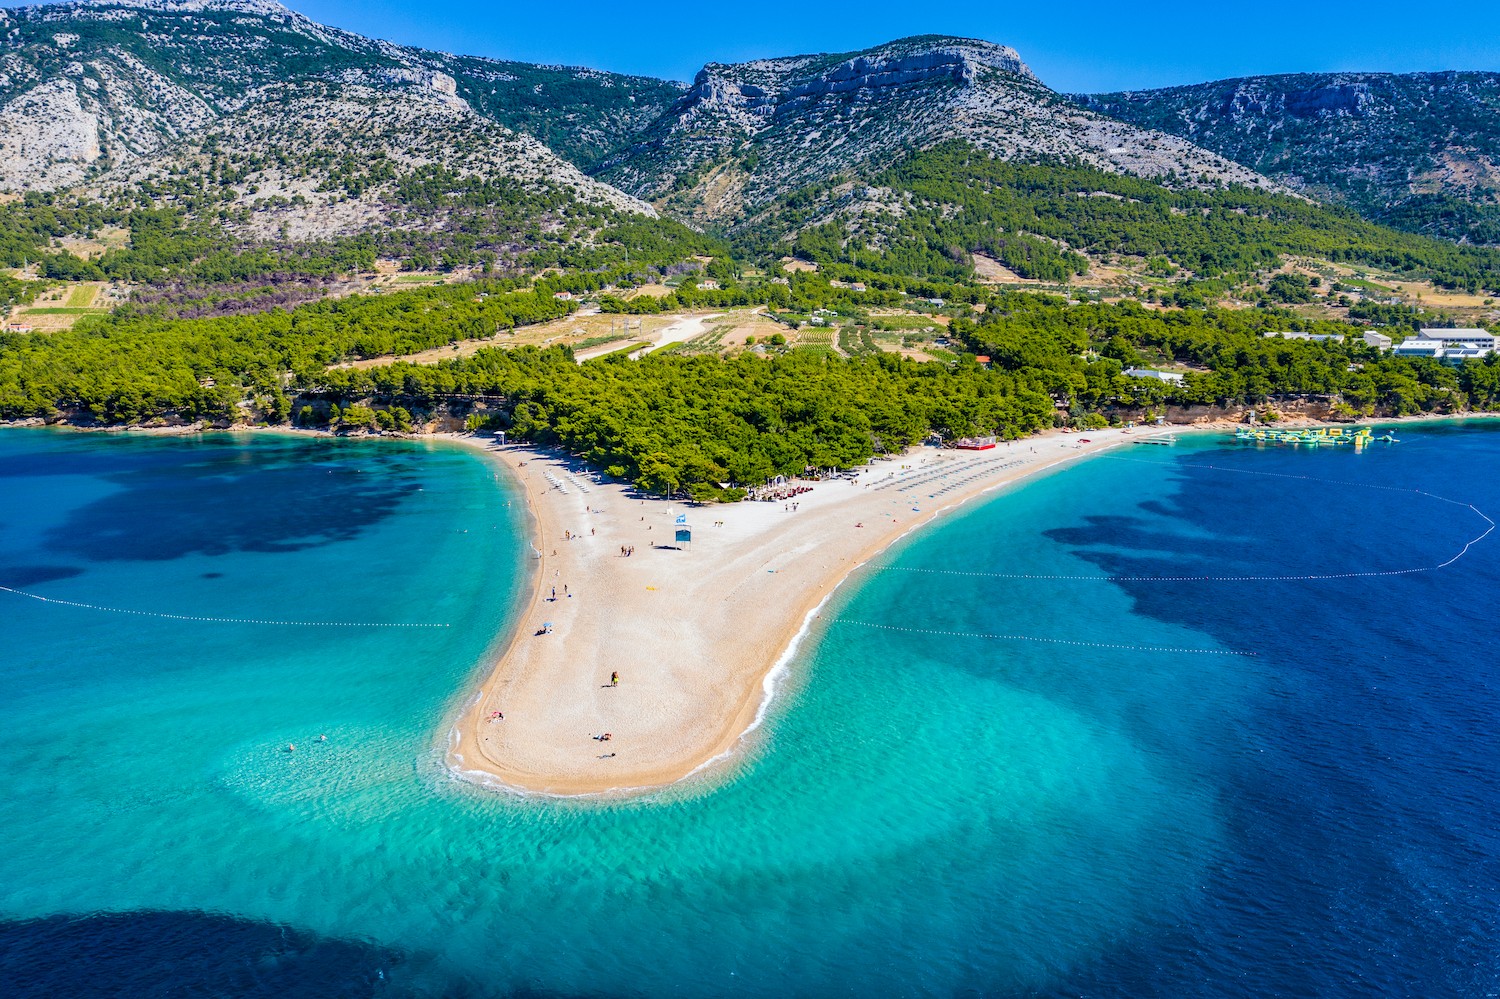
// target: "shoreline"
[[704, 639], [468, 439], [547, 686]]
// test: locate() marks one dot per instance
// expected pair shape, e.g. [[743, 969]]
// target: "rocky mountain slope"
[[744, 134], [319, 161], [1420, 151], [103, 83], [293, 129]]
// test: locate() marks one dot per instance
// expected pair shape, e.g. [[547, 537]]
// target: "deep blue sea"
[[1171, 722]]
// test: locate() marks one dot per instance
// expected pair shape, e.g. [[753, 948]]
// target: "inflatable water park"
[[1357, 437]]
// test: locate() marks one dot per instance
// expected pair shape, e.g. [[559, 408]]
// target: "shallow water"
[[1299, 804]]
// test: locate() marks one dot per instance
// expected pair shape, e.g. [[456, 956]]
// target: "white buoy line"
[[217, 620]]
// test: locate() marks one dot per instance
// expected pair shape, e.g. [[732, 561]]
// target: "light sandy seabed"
[[693, 632]]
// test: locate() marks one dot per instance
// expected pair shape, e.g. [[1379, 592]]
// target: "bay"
[[1070, 742]]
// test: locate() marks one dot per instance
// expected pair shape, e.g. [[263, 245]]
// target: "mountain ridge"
[[95, 94], [746, 133], [121, 80], [1417, 150]]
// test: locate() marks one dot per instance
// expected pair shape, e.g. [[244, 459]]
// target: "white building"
[[1461, 338], [1161, 376], [1453, 346], [1378, 340], [1319, 337], [1419, 346]]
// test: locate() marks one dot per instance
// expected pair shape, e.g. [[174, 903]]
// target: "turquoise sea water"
[[1297, 800]]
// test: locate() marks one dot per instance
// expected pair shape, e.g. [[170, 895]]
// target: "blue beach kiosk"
[[682, 534]]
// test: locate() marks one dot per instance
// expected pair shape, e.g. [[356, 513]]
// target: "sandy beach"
[[694, 630]]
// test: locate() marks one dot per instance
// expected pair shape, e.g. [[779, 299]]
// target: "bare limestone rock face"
[[151, 72], [47, 138], [278, 131], [374, 139], [438, 84], [745, 134]]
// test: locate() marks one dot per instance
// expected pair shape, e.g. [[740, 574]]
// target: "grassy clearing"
[[599, 341], [906, 321], [82, 297], [625, 351], [1363, 285]]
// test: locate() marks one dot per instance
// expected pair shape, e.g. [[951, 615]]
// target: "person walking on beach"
[[614, 679]]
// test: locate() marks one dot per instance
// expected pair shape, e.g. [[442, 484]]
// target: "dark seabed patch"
[[138, 954], [277, 507], [21, 576], [1365, 861]]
